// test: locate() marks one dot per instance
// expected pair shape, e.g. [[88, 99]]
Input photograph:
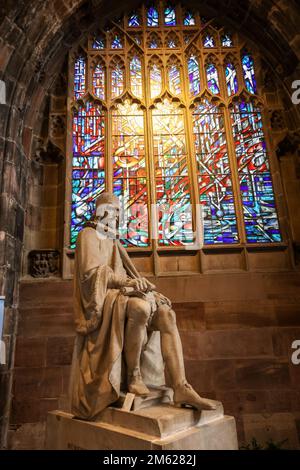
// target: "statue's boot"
[[137, 386], [184, 394]]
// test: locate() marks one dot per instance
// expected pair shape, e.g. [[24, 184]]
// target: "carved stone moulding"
[[44, 263]]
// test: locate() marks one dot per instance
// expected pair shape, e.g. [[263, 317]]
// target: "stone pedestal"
[[162, 427]]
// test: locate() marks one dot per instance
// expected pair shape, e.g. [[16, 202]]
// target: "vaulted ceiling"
[[36, 35]]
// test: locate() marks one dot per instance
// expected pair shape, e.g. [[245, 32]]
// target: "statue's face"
[[107, 221]]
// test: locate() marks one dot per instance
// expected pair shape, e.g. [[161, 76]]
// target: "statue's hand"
[[140, 284]]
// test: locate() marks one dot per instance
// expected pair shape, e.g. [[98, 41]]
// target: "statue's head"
[[107, 215]]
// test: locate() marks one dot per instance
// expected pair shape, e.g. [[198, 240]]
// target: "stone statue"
[[127, 336]]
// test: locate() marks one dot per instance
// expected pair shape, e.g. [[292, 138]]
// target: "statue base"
[[162, 427]]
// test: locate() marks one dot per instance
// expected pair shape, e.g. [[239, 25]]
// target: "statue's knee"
[[138, 310], [166, 318]]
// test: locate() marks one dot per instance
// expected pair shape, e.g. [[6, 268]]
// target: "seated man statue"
[[127, 336]]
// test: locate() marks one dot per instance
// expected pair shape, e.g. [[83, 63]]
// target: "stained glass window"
[[261, 221], [171, 175], [88, 176], [231, 79], [152, 17], [136, 76], [134, 20], [212, 79], [116, 43], [117, 81], [99, 81], [174, 79], [138, 40], [145, 145], [98, 43], [79, 77], [249, 73], [194, 75], [155, 80], [187, 38], [153, 43], [129, 173], [209, 41], [227, 41], [214, 175], [170, 16], [172, 43], [189, 19]]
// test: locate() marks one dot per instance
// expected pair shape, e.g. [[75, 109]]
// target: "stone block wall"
[[236, 341], [35, 38]]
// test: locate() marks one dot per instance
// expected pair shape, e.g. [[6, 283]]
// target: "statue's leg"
[[138, 313], [164, 320]]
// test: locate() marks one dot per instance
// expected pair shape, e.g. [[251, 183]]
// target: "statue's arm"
[[116, 281]]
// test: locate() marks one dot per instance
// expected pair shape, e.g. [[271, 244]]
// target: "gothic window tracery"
[[165, 113]]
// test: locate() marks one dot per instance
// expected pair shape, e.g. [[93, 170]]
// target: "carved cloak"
[[100, 316]]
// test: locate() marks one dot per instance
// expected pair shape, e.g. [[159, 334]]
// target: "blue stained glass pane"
[[98, 43], [172, 44], [227, 41], [88, 174], [189, 19], [209, 41], [152, 17], [153, 44], [174, 80], [249, 73], [116, 43], [170, 16], [194, 75], [260, 216], [214, 175], [134, 20], [117, 81], [79, 77], [212, 79], [231, 79]]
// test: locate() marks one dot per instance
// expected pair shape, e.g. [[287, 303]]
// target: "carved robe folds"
[[100, 315]]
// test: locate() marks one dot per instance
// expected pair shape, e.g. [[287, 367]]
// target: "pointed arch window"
[[249, 73], [189, 19], [231, 79], [212, 79], [170, 126], [194, 75], [79, 77], [226, 40], [134, 20], [209, 41], [136, 80], [171, 176], [174, 79], [152, 17], [117, 80], [155, 80], [214, 175], [88, 164], [130, 174], [116, 42], [170, 16], [99, 81], [98, 43], [260, 216]]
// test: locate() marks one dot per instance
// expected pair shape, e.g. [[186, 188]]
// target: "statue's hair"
[[107, 198]]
